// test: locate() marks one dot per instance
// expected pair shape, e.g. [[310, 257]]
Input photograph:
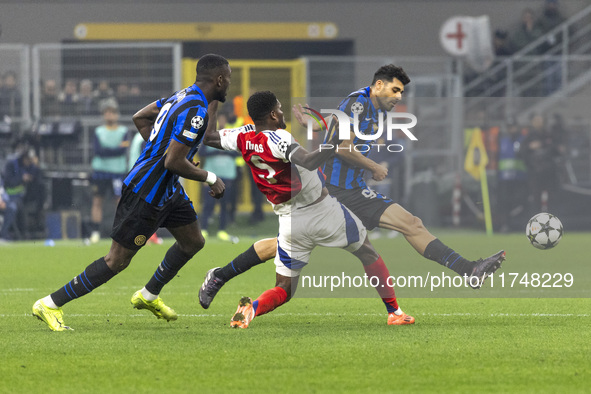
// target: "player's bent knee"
[[417, 224], [266, 249], [119, 257], [117, 264], [405, 221], [191, 248], [366, 253]]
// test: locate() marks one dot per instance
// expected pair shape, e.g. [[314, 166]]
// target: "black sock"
[[448, 257], [92, 277], [174, 260], [242, 263]]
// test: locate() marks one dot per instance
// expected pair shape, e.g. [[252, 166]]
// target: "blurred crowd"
[[533, 25], [523, 156], [85, 98], [525, 165], [74, 98], [534, 35], [115, 147]]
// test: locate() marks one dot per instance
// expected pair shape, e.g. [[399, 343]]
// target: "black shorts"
[[106, 186], [136, 220], [366, 204]]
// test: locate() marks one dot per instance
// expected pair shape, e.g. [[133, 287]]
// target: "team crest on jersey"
[[357, 107], [197, 122], [140, 240]]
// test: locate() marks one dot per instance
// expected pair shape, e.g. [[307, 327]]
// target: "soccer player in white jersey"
[[289, 177]]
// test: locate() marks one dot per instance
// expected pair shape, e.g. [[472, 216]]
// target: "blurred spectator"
[[109, 164], [23, 179], [242, 116], [10, 96], [528, 31], [503, 47], [512, 177], [50, 105], [136, 147], [68, 98], [542, 149], [135, 101], [128, 103], [8, 210], [222, 163], [102, 93], [501, 44], [552, 17], [87, 104], [122, 96]]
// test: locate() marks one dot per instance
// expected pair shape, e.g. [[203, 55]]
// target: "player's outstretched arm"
[[303, 117], [378, 171], [176, 161], [212, 137], [311, 160], [144, 119]]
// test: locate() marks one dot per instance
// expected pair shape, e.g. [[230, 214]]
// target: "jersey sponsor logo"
[[140, 240], [255, 147], [197, 122], [189, 134]]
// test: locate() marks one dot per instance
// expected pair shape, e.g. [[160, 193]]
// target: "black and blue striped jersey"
[[339, 172], [183, 118]]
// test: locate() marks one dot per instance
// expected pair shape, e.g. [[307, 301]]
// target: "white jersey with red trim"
[[268, 155]]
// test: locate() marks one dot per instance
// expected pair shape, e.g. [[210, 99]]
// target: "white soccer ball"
[[544, 231]]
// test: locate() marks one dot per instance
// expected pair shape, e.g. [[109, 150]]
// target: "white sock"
[[49, 302], [147, 295], [398, 312]]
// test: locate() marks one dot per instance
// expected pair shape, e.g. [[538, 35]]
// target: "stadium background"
[[328, 50], [523, 339]]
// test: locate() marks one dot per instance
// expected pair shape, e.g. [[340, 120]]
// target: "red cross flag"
[[469, 37], [453, 35]]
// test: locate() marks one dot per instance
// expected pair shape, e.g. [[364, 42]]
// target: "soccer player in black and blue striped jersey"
[[345, 172], [153, 197]]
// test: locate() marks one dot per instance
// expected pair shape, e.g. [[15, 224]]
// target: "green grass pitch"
[[504, 340]]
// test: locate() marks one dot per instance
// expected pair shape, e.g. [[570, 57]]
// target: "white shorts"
[[327, 223]]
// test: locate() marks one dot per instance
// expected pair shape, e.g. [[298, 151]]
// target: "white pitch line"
[[337, 314]]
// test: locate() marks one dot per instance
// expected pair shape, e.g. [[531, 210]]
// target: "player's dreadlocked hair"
[[210, 63], [260, 104], [388, 72]]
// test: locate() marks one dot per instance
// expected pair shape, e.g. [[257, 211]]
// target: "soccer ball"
[[544, 231]]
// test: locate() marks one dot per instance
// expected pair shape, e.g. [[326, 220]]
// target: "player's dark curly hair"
[[260, 104], [210, 63], [388, 72]]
